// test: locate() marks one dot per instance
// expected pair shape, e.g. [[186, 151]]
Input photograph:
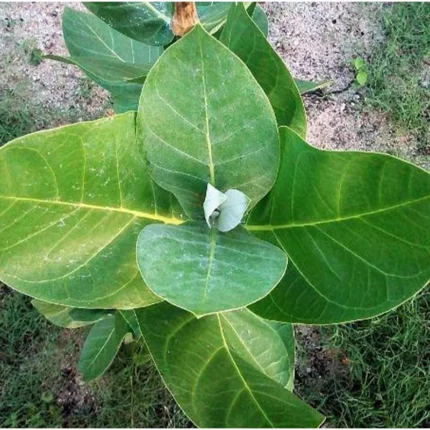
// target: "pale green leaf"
[[147, 22], [361, 77], [356, 228], [209, 133], [309, 86], [72, 203], [224, 211], [232, 210], [224, 370], [63, 316], [102, 345], [203, 270], [214, 198], [242, 36]]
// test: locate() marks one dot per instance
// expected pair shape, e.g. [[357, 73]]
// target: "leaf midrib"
[[227, 348], [271, 227], [80, 205]]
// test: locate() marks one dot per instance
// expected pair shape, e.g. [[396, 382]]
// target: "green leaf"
[[208, 133], [260, 19], [147, 22], [89, 315], [72, 203], [243, 37], [359, 63], [111, 59], [361, 77], [356, 228], [212, 15], [309, 86], [224, 370], [133, 324], [224, 211], [203, 270], [63, 316], [102, 345]]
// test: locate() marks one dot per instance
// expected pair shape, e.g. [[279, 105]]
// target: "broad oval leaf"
[[203, 270], [72, 203], [356, 227], [102, 345], [242, 36], [147, 22], [208, 133], [233, 375], [64, 316]]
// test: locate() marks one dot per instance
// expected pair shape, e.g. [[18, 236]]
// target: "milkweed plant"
[[197, 221]]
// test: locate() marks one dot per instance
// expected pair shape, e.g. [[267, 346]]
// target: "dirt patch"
[[51, 85], [318, 42]]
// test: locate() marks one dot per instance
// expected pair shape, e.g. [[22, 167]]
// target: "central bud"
[[224, 211]]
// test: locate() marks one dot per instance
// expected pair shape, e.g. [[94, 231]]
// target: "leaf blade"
[[203, 263], [102, 345], [183, 134], [220, 387], [62, 185], [243, 37], [358, 237]]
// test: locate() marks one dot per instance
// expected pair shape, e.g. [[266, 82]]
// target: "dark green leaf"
[[72, 203], [131, 319], [203, 270], [197, 127], [260, 19], [224, 370], [147, 22], [64, 316], [243, 37], [102, 345], [356, 228]]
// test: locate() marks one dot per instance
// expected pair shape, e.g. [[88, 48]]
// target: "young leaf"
[[224, 370], [208, 133], [357, 232], [205, 271], [147, 22], [243, 37], [64, 316], [224, 211], [361, 77], [72, 203], [102, 345]]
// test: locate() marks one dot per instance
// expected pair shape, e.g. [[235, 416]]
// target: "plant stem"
[[185, 18]]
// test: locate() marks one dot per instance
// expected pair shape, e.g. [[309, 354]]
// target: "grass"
[[380, 377], [399, 69], [40, 387]]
